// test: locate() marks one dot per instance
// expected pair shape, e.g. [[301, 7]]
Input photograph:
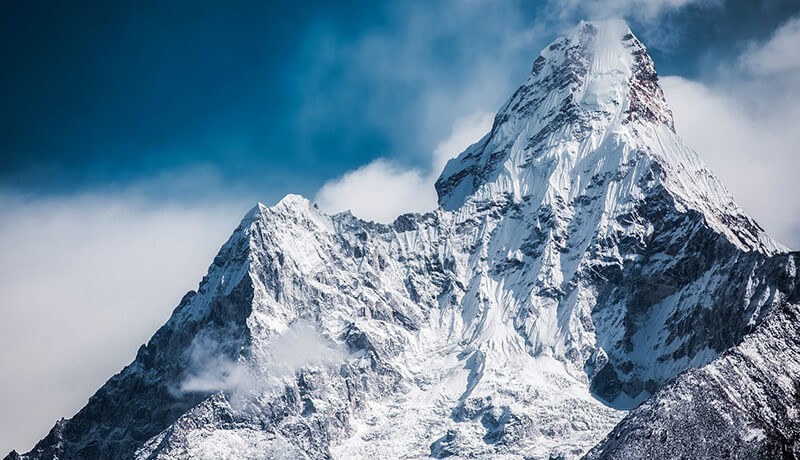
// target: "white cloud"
[[381, 190], [212, 371], [744, 123], [84, 281], [778, 55]]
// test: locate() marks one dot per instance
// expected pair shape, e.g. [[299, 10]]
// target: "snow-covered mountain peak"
[[591, 110], [620, 74], [292, 210], [294, 201], [588, 85]]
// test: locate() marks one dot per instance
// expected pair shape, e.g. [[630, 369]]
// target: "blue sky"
[[134, 136], [272, 98]]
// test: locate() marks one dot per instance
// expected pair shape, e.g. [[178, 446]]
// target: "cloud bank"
[[84, 280]]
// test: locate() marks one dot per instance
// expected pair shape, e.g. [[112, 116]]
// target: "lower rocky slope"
[[744, 405]]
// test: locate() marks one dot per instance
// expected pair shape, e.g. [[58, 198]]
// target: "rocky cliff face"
[[581, 258], [745, 404]]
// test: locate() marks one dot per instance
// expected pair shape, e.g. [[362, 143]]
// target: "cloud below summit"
[[297, 347], [382, 190]]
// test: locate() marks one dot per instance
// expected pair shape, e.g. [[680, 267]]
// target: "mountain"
[[584, 268]]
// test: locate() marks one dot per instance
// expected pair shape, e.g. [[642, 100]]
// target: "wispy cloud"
[[435, 70], [777, 56], [430, 64], [299, 346]]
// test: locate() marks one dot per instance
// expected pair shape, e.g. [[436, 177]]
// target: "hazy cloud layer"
[[84, 281]]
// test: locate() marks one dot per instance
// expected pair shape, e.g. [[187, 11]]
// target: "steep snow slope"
[[582, 257]]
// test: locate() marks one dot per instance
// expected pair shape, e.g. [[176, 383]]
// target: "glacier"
[[584, 273]]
